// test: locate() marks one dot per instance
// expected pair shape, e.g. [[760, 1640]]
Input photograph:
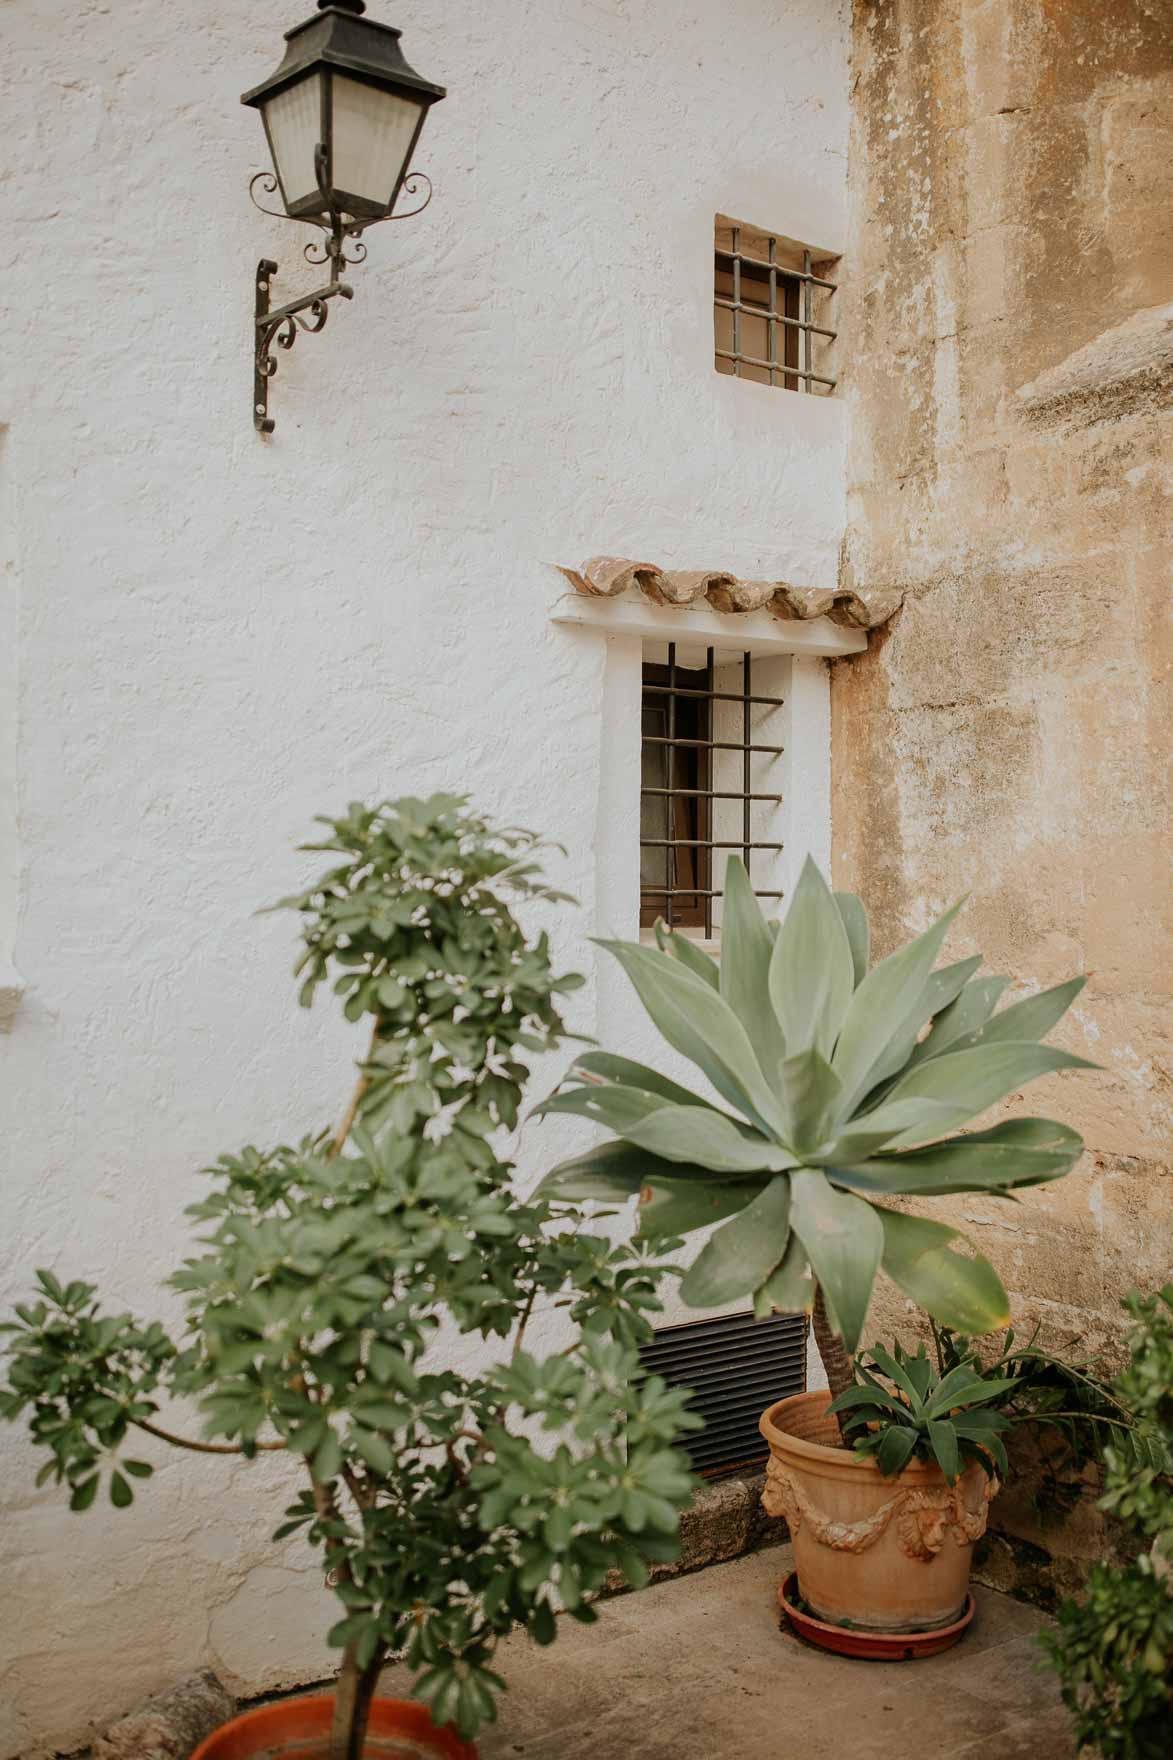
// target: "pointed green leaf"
[[965, 1294], [685, 949], [1017, 1152], [969, 1010], [674, 1206], [874, 1131], [811, 1091], [746, 951], [696, 1135], [606, 1103], [964, 1083], [895, 1450], [611, 1172], [812, 972], [943, 1442], [702, 1027], [843, 1238], [742, 1253], [625, 1073], [886, 995], [789, 1288], [855, 922], [939, 990], [1032, 1018]]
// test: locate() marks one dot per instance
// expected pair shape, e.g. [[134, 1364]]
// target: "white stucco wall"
[[219, 637]]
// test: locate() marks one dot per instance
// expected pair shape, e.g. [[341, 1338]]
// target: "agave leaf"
[[611, 1171], [1032, 1018], [812, 972], [844, 1239], [1017, 1152], [894, 1449], [627, 1074], [887, 994], [974, 1006], [699, 1023], [811, 1092], [865, 1396], [788, 1289], [896, 1373], [742, 1253], [694, 1134], [866, 1136], [965, 1294], [943, 1442], [680, 1206], [683, 948], [855, 921], [940, 989], [618, 1109], [962, 1387], [964, 1083], [746, 950]]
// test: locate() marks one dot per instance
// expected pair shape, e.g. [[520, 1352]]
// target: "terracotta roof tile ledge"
[[607, 577]]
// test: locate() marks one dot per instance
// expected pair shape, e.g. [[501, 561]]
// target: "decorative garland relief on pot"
[[924, 1518]]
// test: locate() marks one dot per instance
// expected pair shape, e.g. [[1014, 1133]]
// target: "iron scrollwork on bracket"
[[342, 248]]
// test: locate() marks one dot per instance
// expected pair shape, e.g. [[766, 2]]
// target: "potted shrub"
[[835, 1088], [322, 1274]]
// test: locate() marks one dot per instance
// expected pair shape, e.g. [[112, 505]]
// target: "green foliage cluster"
[[1113, 1650], [449, 1506], [838, 1086], [903, 1408]]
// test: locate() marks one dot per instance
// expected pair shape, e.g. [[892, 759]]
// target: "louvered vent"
[[736, 1367]]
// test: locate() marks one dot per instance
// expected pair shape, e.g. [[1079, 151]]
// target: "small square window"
[[707, 787], [772, 310]]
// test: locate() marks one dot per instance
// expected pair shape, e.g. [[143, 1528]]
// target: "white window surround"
[[634, 630]]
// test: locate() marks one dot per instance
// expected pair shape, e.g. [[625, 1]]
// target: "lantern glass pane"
[[294, 119], [372, 137]]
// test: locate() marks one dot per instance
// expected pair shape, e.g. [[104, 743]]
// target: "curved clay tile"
[[609, 576]]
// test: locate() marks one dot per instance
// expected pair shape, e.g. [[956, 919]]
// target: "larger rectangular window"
[[707, 787]]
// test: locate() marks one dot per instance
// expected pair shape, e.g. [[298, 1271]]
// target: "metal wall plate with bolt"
[[342, 116]]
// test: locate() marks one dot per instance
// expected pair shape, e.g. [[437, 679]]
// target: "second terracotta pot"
[[299, 1729], [889, 1555]]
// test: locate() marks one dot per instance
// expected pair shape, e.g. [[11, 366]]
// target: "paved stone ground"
[[697, 1669]]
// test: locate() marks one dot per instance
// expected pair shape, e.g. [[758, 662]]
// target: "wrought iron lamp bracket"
[[342, 248]]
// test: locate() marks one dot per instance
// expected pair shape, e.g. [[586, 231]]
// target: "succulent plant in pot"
[[833, 1087], [449, 1506]]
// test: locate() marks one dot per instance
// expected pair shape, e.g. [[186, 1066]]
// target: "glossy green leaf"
[[963, 1293], [789, 1288], [895, 1450], [843, 1238], [943, 1442], [625, 1073], [812, 1093], [743, 1252], [693, 1134], [812, 971], [940, 989]]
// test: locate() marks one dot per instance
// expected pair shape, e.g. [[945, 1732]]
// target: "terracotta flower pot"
[[299, 1729], [888, 1555]]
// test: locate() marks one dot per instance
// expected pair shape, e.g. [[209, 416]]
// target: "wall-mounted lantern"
[[342, 116]]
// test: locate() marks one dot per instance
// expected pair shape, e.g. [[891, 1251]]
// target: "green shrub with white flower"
[[448, 1507]]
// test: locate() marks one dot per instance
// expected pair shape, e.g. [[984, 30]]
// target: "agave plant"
[[833, 1087], [901, 1407]]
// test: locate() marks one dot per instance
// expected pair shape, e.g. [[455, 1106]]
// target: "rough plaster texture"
[[1010, 470], [219, 636]]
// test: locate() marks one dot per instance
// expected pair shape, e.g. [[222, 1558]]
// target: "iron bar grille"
[[764, 311], [705, 752], [736, 1366]]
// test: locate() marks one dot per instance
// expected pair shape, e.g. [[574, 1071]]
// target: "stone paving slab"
[[698, 1669]]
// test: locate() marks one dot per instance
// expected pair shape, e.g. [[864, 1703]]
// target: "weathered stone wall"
[[1011, 376]]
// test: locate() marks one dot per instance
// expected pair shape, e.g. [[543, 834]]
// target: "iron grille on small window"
[[735, 1366], [766, 291], [698, 787]]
